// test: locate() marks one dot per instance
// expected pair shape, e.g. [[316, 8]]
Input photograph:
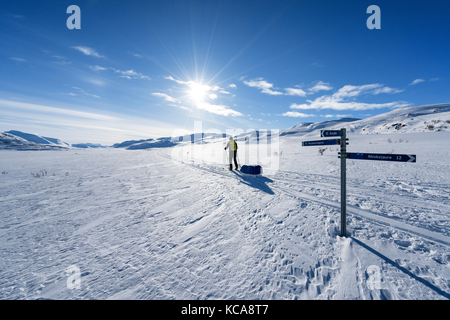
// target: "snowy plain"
[[145, 224]]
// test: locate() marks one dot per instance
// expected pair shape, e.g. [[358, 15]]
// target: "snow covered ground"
[[141, 225]]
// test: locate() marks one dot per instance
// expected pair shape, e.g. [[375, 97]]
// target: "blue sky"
[[142, 69]]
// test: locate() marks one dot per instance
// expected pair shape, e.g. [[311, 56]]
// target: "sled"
[[252, 170]]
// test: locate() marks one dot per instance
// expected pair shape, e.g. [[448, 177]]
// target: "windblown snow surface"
[[162, 224]]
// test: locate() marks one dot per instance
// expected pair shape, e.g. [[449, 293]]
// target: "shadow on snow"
[[259, 182]]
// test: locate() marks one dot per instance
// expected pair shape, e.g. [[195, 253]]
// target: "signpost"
[[355, 156], [343, 183], [330, 133], [321, 143], [382, 157]]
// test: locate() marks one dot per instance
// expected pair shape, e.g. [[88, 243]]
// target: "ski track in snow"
[[140, 226]]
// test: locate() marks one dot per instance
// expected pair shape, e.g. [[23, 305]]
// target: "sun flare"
[[197, 91]]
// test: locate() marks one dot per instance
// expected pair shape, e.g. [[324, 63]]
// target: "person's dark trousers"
[[235, 161]]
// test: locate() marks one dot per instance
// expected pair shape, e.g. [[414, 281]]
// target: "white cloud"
[[53, 110], [294, 114], [131, 74], [387, 90], [218, 109], [263, 85], [232, 85], [177, 81], [128, 73], [295, 92], [339, 100], [320, 86], [62, 63], [353, 91], [165, 97], [18, 59], [88, 51], [83, 93], [416, 82], [137, 55], [97, 68], [213, 96]]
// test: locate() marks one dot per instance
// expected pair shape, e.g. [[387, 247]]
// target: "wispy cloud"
[[295, 114], [88, 51], [340, 99], [98, 68], [81, 92], [263, 85], [131, 74], [232, 85], [316, 64], [320, 86], [218, 109], [165, 97], [295, 92], [387, 90], [75, 126], [127, 74], [18, 59], [177, 81], [136, 55], [53, 110], [62, 63], [416, 82]]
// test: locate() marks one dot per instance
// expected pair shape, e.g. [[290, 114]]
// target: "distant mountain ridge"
[[88, 146], [17, 140], [426, 118], [38, 139]]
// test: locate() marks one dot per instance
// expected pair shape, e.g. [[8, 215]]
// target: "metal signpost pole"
[[351, 155], [343, 182]]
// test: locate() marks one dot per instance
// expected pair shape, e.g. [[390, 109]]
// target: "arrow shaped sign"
[[330, 133], [382, 157], [321, 142]]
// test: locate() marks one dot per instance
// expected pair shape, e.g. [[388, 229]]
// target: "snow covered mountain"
[[16, 140], [145, 144], [88, 146], [427, 118], [38, 139]]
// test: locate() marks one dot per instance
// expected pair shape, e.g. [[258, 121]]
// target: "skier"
[[232, 146]]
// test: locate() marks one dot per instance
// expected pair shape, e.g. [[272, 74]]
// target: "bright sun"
[[197, 91]]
